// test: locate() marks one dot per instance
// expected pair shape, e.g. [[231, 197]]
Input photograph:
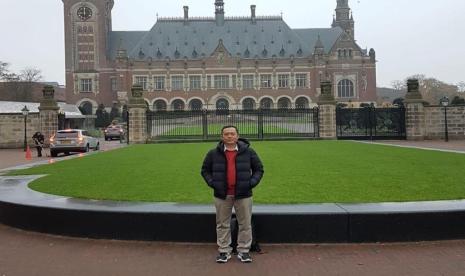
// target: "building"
[[213, 62]]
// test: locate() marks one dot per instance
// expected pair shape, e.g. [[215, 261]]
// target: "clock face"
[[84, 13]]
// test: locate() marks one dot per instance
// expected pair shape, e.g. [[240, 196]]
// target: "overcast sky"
[[409, 36]]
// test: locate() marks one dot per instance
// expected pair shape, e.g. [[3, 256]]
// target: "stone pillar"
[[137, 116], [48, 114], [415, 112], [327, 116]]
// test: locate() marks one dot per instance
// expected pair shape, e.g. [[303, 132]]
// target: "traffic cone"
[[28, 153]]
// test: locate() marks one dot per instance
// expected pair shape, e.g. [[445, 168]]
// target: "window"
[[195, 82], [301, 80], [248, 104], [159, 82], [196, 105], [301, 103], [209, 82], [265, 81], [177, 105], [266, 103], [160, 105], [142, 81], [345, 89], [247, 81], [114, 84], [283, 81], [221, 82], [177, 83], [284, 103], [86, 85], [234, 81]]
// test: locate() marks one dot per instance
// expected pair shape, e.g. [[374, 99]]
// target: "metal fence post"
[[205, 124], [127, 116], [260, 124]]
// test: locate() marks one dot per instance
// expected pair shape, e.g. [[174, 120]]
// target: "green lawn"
[[215, 129], [295, 172]]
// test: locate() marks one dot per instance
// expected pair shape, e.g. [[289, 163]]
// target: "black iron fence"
[[370, 123], [253, 124]]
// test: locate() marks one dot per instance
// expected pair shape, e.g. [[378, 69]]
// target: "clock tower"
[[87, 30]]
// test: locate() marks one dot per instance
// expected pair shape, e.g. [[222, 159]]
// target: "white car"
[[72, 140]]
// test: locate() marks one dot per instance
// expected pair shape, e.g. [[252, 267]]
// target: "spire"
[[219, 12], [344, 18], [319, 44], [319, 47]]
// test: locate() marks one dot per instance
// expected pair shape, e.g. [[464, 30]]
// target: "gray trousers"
[[243, 210]]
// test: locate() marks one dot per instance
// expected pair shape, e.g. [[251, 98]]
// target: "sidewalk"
[[453, 145]]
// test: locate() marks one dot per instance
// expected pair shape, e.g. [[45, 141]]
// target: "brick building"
[[213, 62]]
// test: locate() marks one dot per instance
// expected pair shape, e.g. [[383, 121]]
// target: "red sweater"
[[231, 171]]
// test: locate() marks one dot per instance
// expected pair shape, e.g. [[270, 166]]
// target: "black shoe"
[[223, 258], [244, 257]]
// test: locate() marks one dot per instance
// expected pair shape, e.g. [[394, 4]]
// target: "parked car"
[[72, 140], [114, 131]]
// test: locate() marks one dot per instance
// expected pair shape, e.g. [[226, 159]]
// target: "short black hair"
[[229, 126]]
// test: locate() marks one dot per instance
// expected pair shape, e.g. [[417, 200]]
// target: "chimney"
[[186, 15], [252, 10], [219, 12]]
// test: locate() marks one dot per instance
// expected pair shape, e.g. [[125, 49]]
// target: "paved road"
[[27, 253], [14, 157]]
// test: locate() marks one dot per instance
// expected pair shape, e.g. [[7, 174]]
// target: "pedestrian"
[[39, 141], [232, 170]]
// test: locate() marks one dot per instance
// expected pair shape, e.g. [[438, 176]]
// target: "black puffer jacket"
[[249, 170]]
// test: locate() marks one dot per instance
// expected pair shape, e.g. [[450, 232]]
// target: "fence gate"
[[253, 124], [370, 123]]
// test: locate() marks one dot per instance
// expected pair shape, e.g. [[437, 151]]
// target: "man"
[[232, 170], [39, 141]]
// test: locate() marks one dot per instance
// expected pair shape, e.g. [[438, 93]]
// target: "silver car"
[[72, 140]]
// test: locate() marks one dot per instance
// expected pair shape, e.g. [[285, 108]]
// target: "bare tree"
[[3, 69], [398, 85], [433, 89], [31, 74], [461, 86]]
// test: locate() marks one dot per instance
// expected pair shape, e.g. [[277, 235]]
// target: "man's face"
[[230, 136]]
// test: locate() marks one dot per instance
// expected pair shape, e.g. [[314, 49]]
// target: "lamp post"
[[25, 112], [445, 103]]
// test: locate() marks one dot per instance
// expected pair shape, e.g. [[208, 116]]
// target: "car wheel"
[[87, 148], [97, 147], [67, 153], [53, 153]]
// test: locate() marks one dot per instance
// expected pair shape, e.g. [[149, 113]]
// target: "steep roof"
[[270, 36]]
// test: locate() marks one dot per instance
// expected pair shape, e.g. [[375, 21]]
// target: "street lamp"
[[25, 112], [445, 103]]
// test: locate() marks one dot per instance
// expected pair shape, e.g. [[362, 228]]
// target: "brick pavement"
[[25, 253]]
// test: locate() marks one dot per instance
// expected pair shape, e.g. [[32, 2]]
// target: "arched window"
[[196, 105], [266, 103], [248, 104], [222, 104], [86, 108], [302, 103], [178, 105], [159, 105], [284, 103], [345, 89]]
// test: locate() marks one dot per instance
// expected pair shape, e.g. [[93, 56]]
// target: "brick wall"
[[12, 129], [435, 123]]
